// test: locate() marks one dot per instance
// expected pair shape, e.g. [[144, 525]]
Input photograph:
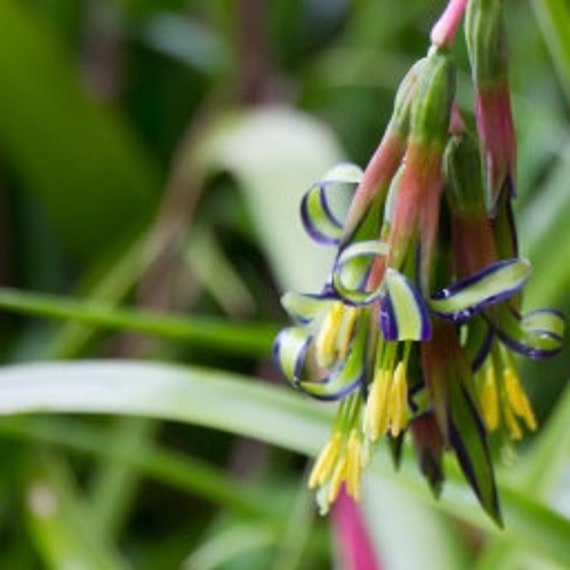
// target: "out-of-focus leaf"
[[545, 221], [275, 154], [60, 524], [80, 160], [229, 402], [554, 19], [434, 538], [252, 339], [188, 474], [186, 41]]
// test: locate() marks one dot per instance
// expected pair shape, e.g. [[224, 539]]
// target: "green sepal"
[[450, 384], [432, 102], [465, 190], [486, 40]]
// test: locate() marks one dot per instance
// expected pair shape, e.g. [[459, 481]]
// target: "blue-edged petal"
[[304, 308], [289, 351], [352, 268], [348, 375], [317, 215], [495, 283], [537, 335], [403, 313]]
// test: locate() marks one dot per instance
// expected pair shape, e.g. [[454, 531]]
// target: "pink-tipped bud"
[[443, 33]]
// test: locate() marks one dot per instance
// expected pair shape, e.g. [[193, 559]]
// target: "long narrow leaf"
[[238, 405]]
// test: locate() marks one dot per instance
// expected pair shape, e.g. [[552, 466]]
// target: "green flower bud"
[[400, 122], [486, 40], [432, 101]]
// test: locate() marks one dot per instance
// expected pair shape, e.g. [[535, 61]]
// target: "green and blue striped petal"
[[538, 334], [289, 351], [348, 375], [304, 308], [352, 269], [403, 313], [317, 211], [495, 283]]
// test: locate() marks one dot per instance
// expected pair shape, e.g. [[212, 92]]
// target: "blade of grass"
[[249, 339]]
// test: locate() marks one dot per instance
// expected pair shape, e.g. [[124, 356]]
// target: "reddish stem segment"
[[443, 33]]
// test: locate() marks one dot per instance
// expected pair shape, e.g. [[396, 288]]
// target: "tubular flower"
[[416, 327]]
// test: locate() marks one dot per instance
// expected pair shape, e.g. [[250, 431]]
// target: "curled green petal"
[[304, 308], [317, 211], [495, 283], [403, 313], [348, 374], [289, 351], [352, 269]]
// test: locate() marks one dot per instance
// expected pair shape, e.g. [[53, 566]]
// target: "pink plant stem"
[[444, 30], [354, 545]]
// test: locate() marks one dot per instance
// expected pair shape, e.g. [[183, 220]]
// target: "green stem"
[[251, 339]]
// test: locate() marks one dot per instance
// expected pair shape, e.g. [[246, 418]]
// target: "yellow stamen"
[[338, 476], [325, 343], [512, 424], [399, 400], [353, 472], [489, 397], [345, 331], [325, 462], [376, 412], [518, 399]]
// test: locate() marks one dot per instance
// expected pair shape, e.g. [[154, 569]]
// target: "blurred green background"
[[152, 158]]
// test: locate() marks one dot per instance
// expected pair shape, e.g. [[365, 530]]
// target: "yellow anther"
[[338, 476], [346, 331], [323, 466], [376, 411], [353, 471], [325, 343], [489, 397], [399, 400], [518, 399], [512, 424]]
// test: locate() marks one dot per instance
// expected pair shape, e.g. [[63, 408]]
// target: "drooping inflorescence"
[[417, 327]]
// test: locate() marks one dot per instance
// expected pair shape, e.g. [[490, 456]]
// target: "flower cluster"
[[417, 327]]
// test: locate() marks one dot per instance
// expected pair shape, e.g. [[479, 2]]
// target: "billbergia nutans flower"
[[417, 327]]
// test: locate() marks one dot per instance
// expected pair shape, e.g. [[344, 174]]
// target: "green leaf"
[[79, 159], [236, 404], [252, 339], [60, 523], [275, 154], [553, 17]]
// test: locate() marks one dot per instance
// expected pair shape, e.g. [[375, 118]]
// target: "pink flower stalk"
[[380, 170], [422, 181], [354, 544], [497, 134], [443, 33]]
